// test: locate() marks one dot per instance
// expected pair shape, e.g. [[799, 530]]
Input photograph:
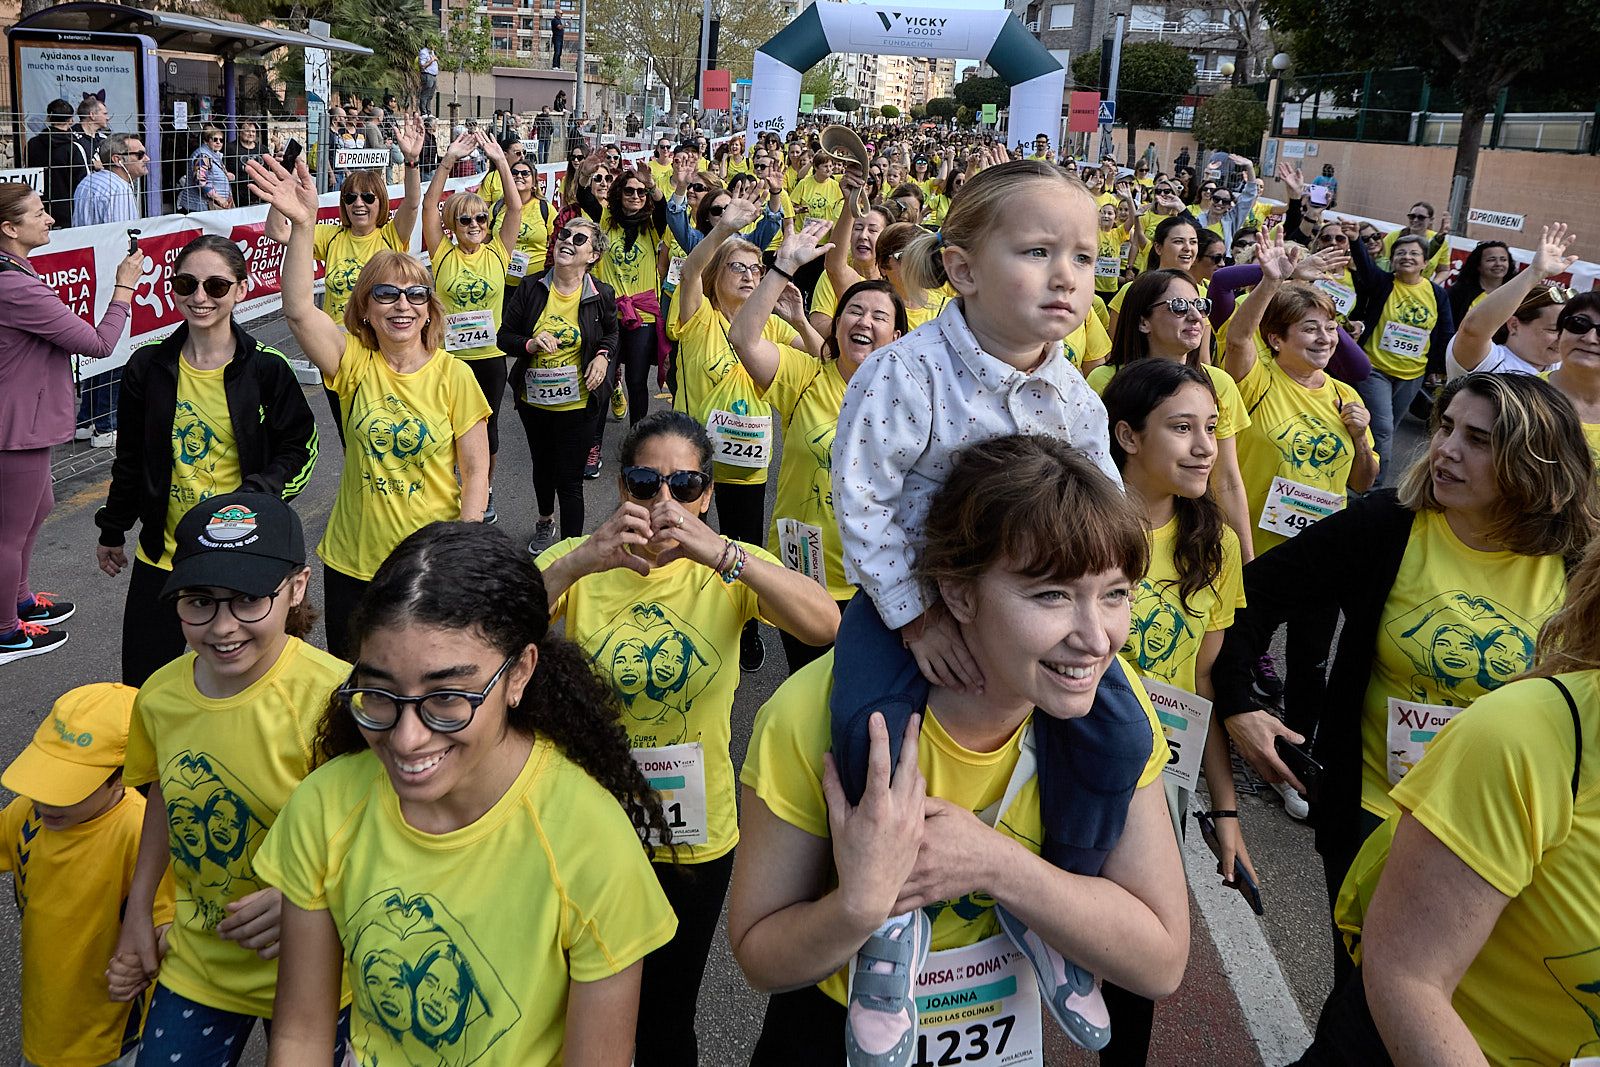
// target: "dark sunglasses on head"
[[644, 483], [1578, 325], [365, 198], [216, 287], [384, 293], [576, 238], [480, 218]]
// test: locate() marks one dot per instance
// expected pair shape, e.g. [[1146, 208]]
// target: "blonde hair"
[[463, 203], [1570, 640], [1289, 305], [365, 181], [719, 262], [978, 214], [394, 268]]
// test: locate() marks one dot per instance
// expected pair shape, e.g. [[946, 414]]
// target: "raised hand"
[[491, 148], [411, 137], [742, 210], [294, 196], [804, 245], [1550, 257], [1292, 179], [1273, 256], [460, 148], [1331, 260], [791, 306]]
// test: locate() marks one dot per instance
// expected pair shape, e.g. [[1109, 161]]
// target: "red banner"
[[718, 91], [1083, 112]]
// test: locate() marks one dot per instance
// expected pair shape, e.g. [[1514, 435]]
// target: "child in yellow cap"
[[70, 840]]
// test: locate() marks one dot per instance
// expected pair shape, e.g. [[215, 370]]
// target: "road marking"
[[1258, 983]]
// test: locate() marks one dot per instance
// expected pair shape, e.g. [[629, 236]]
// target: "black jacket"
[[273, 430], [597, 320], [55, 151]]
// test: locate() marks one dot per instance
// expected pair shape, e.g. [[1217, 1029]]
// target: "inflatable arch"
[[997, 37]]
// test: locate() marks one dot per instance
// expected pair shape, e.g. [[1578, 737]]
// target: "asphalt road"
[[1201, 1024]]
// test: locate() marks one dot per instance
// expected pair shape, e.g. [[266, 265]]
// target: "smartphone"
[[133, 241], [1300, 763], [1318, 195], [291, 154], [1242, 881]]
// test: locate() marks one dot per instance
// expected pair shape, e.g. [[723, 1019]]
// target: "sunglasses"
[[1179, 306], [383, 293], [1578, 325], [698, 187], [1222, 201], [141, 154], [522, 172], [365, 198], [1417, 216], [481, 218], [644, 483], [214, 140], [576, 238], [635, 190], [1372, 238], [761, 166], [601, 179], [1218, 258], [216, 287], [444, 711]]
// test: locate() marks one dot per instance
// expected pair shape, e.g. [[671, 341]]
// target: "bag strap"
[[1577, 731]]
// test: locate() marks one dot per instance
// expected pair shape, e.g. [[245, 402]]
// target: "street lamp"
[[1280, 63]]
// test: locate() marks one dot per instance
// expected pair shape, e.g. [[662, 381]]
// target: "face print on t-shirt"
[[1161, 638], [1462, 645], [199, 447], [658, 664], [467, 289], [214, 827], [396, 441], [1314, 451]]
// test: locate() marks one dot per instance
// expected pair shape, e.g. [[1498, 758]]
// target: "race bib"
[[1185, 718], [978, 1005], [466, 330], [1412, 727], [1342, 295], [518, 267], [740, 440], [548, 387], [1107, 267], [800, 544], [1399, 339], [678, 773], [675, 271], [1290, 506]]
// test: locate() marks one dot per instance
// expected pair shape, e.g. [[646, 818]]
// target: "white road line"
[[1263, 993]]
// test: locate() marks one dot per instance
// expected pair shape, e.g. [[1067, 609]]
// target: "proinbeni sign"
[[1500, 220], [361, 158]]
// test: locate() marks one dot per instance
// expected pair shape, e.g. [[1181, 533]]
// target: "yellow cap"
[[75, 749]]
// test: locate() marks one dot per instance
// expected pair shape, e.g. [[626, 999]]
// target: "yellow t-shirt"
[[226, 767], [937, 206], [711, 379], [936, 299], [1295, 433], [205, 461], [462, 947], [669, 643], [533, 240], [807, 396], [787, 207], [560, 319], [70, 887], [783, 766], [629, 271], [1496, 790], [489, 189], [821, 200], [823, 299], [1164, 641], [1232, 419], [400, 456], [471, 287], [662, 173], [1398, 344], [1108, 260], [344, 254], [1089, 343], [1458, 623]]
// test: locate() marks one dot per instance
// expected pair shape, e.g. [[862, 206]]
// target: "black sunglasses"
[[635, 190], [1578, 325], [365, 198], [521, 172], [216, 287], [698, 187], [383, 293], [644, 483], [1418, 216], [1218, 258], [141, 154], [444, 711], [480, 218], [715, 212], [576, 238]]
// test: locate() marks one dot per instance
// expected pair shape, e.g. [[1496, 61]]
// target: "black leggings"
[[803, 1028], [741, 511], [670, 986], [151, 634], [798, 653], [636, 351], [491, 376], [559, 443], [340, 593]]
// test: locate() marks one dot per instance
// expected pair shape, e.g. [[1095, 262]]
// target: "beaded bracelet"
[[722, 560], [737, 569]]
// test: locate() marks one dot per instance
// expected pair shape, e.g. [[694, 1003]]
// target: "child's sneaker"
[[1293, 803], [1068, 991], [880, 1024], [45, 609], [29, 639]]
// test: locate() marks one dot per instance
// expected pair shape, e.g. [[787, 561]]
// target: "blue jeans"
[[1388, 399], [97, 401], [180, 1030]]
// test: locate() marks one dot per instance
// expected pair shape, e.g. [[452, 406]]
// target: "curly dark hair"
[[467, 576]]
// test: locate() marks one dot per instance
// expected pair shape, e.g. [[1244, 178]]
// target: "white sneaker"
[[1293, 803], [104, 440], [82, 433]]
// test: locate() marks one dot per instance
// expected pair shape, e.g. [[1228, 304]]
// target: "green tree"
[[889, 111], [819, 82], [1232, 120], [919, 111], [975, 92], [965, 116], [669, 36], [846, 104], [1152, 82], [942, 107], [467, 41], [1474, 48], [391, 28]]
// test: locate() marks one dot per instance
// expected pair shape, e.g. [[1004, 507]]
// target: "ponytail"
[[922, 262]]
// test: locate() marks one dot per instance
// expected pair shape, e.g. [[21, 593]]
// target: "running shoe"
[[83, 433], [28, 640], [591, 469], [46, 610], [1068, 991], [752, 650], [619, 405], [1293, 803], [489, 515], [1265, 683], [880, 1023], [544, 532], [103, 440]]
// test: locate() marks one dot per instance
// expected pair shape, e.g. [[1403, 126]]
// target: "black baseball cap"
[[242, 541]]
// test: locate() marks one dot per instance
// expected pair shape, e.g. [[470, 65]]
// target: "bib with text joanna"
[[978, 1005]]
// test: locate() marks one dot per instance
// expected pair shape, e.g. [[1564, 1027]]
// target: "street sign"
[[1500, 220], [991, 114], [1082, 107], [1108, 112], [361, 158]]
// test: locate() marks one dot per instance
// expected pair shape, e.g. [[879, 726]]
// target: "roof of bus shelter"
[[179, 32]]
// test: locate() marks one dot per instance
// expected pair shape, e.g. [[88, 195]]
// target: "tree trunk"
[[33, 7], [1474, 110]]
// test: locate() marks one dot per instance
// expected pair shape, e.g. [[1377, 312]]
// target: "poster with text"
[[72, 72]]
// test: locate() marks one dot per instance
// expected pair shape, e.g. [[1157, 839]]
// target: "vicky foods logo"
[[908, 32]]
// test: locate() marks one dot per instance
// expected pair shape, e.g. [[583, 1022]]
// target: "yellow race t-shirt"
[[629, 268], [1089, 343], [669, 643], [461, 947], [556, 374], [807, 396], [784, 768], [1296, 434], [225, 768], [820, 200], [1458, 623], [471, 286], [1496, 790], [1398, 344], [205, 461], [70, 887], [344, 254], [533, 240], [1232, 419], [661, 173], [399, 457], [1164, 639], [714, 387], [1108, 260]]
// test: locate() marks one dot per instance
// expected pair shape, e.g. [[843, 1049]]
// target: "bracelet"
[[130, 288], [722, 560], [1224, 813], [742, 557], [780, 272]]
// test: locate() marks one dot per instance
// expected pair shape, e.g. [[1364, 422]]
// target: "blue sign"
[[1108, 112]]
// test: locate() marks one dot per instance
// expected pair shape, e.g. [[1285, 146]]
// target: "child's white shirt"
[[909, 408]]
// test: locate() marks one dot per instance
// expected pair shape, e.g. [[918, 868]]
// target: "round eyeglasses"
[[444, 711]]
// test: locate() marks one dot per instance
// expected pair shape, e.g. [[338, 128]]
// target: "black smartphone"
[[291, 154], [1300, 763], [1242, 881], [133, 241]]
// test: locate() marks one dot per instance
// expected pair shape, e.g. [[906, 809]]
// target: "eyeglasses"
[[576, 238], [635, 190], [444, 711], [761, 166], [383, 293], [1219, 259], [365, 198], [745, 269], [1578, 325], [698, 187], [198, 609], [1372, 237], [1222, 201], [480, 218], [1179, 306], [216, 287], [644, 483]]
